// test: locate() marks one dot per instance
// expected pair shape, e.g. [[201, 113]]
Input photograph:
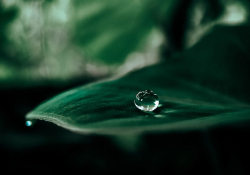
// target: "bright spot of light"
[[28, 123], [161, 116], [235, 14]]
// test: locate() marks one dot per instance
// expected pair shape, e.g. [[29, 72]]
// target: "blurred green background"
[[49, 46], [63, 40], [46, 41]]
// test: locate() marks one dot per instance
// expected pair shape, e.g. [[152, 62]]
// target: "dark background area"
[[46, 148]]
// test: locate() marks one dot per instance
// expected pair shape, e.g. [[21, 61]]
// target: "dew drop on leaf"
[[146, 100]]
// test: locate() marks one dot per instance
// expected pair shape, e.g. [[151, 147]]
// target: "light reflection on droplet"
[[170, 111], [160, 116], [160, 105]]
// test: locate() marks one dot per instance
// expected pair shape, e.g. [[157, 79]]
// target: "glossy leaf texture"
[[205, 86]]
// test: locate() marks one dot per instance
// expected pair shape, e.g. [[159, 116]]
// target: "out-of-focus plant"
[[53, 40], [61, 40]]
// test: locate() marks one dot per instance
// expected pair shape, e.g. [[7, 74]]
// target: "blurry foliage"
[[204, 15], [45, 41], [62, 40], [110, 31], [185, 22], [6, 16]]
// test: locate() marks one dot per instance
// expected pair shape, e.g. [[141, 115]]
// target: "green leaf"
[[202, 87]]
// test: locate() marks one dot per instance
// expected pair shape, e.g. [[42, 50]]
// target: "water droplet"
[[28, 123], [146, 100]]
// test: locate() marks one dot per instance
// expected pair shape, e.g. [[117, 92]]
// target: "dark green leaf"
[[203, 87]]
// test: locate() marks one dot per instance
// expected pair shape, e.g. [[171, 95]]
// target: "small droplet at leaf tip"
[[28, 123]]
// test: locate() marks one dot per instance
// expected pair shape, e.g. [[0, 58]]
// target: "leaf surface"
[[202, 87]]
